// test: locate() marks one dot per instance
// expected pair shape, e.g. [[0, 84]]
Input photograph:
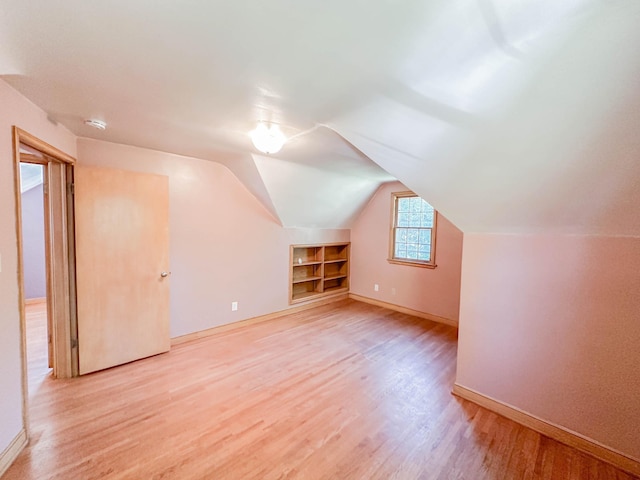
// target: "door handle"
[[165, 274]]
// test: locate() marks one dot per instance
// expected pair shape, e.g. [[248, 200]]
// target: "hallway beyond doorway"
[[37, 361]]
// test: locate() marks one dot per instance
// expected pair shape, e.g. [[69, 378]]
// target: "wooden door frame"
[[60, 260]]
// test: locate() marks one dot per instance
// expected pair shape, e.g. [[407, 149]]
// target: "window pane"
[[414, 219], [426, 256], [425, 236], [413, 235], [401, 235], [427, 219], [412, 251], [403, 220], [403, 204], [401, 250], [415, 204]]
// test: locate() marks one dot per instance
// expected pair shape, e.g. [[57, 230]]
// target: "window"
[[413, 231]]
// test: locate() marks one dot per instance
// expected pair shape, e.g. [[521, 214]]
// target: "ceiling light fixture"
[[99, 124], [267, 139]]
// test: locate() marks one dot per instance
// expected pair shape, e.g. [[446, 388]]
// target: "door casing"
[[60, 258]]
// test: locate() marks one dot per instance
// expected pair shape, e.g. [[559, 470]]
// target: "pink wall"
[[225, 246], [434, 291], [15, 110], [551, 325]]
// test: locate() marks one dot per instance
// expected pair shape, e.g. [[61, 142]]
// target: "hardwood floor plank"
[[342, 391]]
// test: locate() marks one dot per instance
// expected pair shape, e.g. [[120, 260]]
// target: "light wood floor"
[[37, 357], [344, 391]]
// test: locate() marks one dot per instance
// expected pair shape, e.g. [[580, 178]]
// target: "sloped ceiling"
[[507, 115]]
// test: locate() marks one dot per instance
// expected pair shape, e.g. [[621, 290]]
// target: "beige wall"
[[225, 246], [15, 110], [434, 291], [550, 324]]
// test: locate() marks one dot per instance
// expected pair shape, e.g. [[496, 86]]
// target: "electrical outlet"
[[376, 287], [234, 306]]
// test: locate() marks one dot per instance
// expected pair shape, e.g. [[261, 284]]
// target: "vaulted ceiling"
[[507, 115]]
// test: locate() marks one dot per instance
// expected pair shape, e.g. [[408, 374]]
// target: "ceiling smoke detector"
[[99, 124]]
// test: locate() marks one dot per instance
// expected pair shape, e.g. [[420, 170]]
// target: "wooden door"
[[122, 248]]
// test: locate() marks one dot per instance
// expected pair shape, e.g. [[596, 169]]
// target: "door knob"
[[165, 274]]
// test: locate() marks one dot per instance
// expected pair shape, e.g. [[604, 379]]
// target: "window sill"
[[410, 263]]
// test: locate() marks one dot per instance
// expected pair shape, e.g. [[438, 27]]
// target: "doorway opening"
[[37, 331], [47, 305]]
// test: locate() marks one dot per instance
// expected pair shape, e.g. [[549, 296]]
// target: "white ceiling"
[[507, 115]]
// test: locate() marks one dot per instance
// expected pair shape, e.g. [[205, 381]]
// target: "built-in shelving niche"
[[318, 270]]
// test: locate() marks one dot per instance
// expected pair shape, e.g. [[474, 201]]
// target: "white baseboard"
[[12, 451], [408, 311], [551, 430]]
